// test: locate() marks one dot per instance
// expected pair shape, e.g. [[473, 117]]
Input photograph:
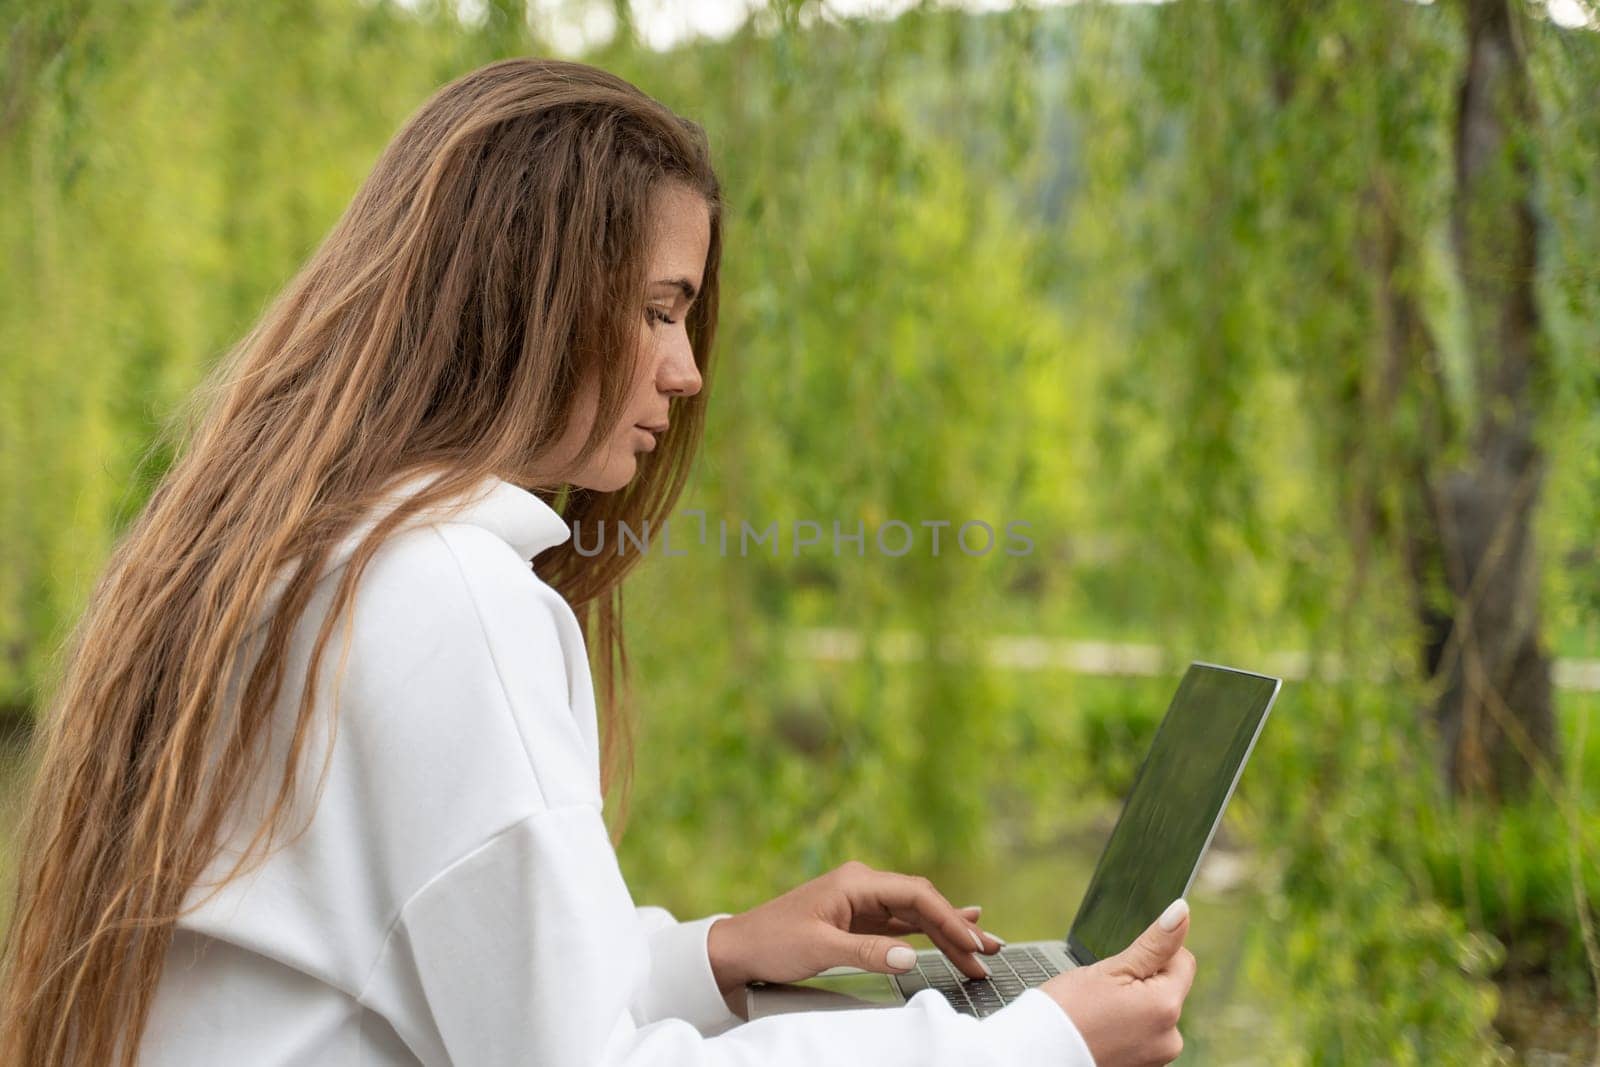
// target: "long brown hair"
[[494, 258]]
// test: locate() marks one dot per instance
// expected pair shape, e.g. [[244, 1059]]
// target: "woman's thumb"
[[871, 952], [1155, 948]]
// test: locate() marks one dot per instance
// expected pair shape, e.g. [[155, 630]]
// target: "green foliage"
[[1519, 871], [1393, 991], [1380, 969]]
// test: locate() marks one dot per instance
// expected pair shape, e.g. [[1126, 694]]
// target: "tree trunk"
[[1493, 710]]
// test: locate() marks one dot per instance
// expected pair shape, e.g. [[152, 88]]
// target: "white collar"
[[511, 513]]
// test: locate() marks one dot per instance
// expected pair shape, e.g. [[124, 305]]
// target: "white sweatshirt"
[[454, 897]]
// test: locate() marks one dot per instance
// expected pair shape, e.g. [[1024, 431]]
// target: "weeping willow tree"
[[1366, 194], [1374, 222]]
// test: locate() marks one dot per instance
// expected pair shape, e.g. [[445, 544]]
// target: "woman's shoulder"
[[482, 540], [450, 646], [449, 559], [454, 589], [454, 634]]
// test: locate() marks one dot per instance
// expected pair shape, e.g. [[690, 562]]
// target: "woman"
[[238, 856]]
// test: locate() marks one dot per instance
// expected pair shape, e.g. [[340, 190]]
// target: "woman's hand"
[[1127, 1006], [853, 916]]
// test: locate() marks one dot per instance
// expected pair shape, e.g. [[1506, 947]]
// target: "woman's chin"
[[616, 475]]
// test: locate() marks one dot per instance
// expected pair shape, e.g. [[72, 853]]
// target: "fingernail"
[[973, 907], [1173, 915], [976, 940], [1003, 941], [902, 958], [987, 973]]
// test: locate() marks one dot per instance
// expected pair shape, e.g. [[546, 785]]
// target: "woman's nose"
[[678, 374]]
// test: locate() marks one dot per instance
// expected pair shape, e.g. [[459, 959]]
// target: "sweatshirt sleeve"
[[526, 952], [679, 982]]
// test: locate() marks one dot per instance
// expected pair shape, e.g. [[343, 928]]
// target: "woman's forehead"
[[680, 234]]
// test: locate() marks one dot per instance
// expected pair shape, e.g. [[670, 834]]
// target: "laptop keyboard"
[[1016, 968]]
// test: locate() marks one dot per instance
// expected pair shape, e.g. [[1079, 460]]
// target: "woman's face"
[[680, 241]]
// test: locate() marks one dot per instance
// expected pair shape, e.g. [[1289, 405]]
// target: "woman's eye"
[[657, 315]]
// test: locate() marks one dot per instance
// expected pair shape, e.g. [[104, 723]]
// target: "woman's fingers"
[[915, 903], [899, 927], [1182, 971], [971, 912], [958, 940], [870, 952]]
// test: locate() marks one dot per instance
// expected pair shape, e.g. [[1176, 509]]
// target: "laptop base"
[[1018, 967]]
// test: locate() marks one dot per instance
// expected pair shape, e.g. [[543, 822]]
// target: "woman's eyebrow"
[[684, 285]]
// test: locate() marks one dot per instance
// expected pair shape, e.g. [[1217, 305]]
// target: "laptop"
[[1168, 819]]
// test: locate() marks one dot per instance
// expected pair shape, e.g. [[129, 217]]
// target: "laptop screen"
[[1173, 808]]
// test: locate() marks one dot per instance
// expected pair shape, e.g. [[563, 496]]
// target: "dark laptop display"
[[1173, 808]]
